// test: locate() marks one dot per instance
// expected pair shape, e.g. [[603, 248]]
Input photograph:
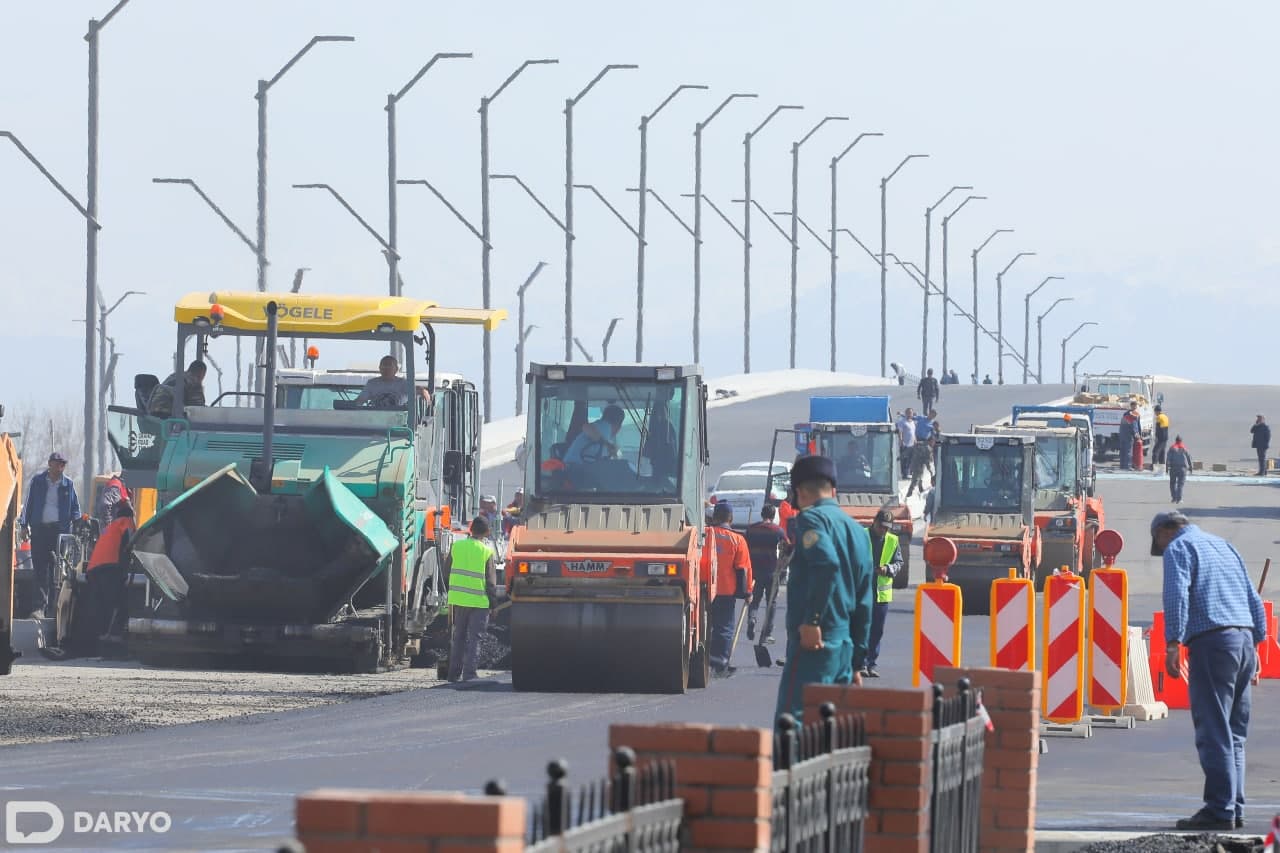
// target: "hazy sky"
[[1130, 144]]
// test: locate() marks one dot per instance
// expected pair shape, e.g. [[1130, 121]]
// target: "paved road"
[[230, 784]]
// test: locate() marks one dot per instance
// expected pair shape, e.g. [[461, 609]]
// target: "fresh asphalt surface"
[[231, 784]]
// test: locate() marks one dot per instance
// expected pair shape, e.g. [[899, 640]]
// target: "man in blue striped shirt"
[[1211, 607]]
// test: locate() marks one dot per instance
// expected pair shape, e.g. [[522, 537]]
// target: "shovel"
[[763, 658]]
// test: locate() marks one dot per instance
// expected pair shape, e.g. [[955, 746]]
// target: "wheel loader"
[[313, 534], [604, 576]]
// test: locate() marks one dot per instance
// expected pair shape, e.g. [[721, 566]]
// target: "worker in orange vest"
[[732, 582], [101, 608]]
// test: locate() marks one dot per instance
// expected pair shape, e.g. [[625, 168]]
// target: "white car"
[[743, 489]]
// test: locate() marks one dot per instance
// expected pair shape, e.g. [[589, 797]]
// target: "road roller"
[[604, 577]]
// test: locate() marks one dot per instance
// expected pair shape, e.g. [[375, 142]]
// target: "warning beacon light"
[[216, 313], [313, 355], [1109, 544], [941, 554]]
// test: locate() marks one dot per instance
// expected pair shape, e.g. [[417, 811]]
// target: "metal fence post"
[[556, 818], [624, 785]]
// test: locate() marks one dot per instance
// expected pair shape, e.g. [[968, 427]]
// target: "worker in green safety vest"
[[473, 581], [888, 559]]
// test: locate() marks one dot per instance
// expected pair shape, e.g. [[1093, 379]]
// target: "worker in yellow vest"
[[887, 555], [473, 581]]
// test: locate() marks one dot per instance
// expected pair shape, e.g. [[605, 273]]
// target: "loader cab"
[[866, 455], [1057, 461], [1079, 418], [986, 474], [617, 434]]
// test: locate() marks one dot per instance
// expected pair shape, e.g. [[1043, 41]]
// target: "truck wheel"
[[975, 600], [700, 660], [903, 578], [677, 680]]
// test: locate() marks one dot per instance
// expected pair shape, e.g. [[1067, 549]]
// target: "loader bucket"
[[586, 637], [223, 551]]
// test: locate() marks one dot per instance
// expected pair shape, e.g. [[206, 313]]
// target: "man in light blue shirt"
[[597, 440], [1211, 607]]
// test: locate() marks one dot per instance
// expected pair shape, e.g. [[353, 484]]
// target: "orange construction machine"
[[10, 505], [606, 589], [983, 501]]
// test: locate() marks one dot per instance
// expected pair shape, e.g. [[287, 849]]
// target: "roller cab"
[[604, 576]]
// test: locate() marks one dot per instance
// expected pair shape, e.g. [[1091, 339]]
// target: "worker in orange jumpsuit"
[[732, 582]]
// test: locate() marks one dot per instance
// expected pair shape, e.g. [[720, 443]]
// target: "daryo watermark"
[[30, 822]]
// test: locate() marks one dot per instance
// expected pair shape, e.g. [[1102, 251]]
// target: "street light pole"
[[1063, 371], [604, 345], [1000, 314], [1075, 365], [975, 252], [697, 219], [795, 216], [642, 211], [746, 232], [569, 104], [264, 86], [522, 333], [1026, 325], [928, 256], [486, 243], [1040, 340], [103, 313], [835, 185], [946, 289], [884, 292]]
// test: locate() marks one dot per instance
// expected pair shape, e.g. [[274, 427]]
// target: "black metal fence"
[[633, 811], [959, 738], [820, 783]]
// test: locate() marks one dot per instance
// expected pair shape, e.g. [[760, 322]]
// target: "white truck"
[[1110, 395]]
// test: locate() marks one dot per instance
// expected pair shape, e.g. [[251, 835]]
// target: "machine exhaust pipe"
[[261, 476]]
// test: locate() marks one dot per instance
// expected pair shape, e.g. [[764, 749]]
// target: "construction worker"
[[986, 380], [906, 425], [766, 542], [102, 609], [1130, 426], [1178, 463], [1162, 438], [888, 561], [51, 506], [1261, 441], [1211, 607], [160, 403], [113, 491], [511, 515], [597, 439], [830, 592], [732, 580], [473, 581], [928, 390]]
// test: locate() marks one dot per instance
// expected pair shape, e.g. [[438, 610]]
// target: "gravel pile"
[[1176, 844]]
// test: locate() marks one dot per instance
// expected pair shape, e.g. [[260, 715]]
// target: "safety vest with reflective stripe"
[[469, 559], [884, 584]]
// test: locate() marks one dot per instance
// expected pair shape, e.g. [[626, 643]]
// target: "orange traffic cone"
[[1171, 691]]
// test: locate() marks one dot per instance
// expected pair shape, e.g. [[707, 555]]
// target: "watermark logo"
[[30, 822]]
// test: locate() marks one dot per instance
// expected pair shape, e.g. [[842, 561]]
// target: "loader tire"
[[700, 660]]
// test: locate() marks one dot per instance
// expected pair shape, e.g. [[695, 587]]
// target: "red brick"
[[1023, 720], [747, 835], [1016, 819], [1016, 779], [1003, 759], [918, 700], [815, 695], [1008, 839], [663, 737], [725, 771], [1014, 740], [903, 773], [899, 749], [734, 802], [1008, 798], [756, 743], [330, 812], [989, 677], [902, 823], [899, 797], [437, 815], [510, 845], [905, 724], [898, 843], [1011, 700], [315, 844], [697, 801]]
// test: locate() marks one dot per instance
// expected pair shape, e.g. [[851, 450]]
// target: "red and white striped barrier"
[[1108, 638], [1013, 622], [1064, 620], [939, 611]]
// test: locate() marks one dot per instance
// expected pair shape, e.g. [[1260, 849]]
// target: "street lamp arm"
[[715, 207], [946, 196], [457, 213], [315, 40], [342, 201], [1047, 279], [528, 281], [671, 97], [905, 161], [50, 178], [424, 69], [994, 234], [535, 198], [702, 124], [514, 74], [226, 220], [771, 115], [960, 207], [805, 226], [862, 245], [660, 200], [124, 296], [769, 217], [1056, 303], [1078, 330], [836, 159], [107, 17], [596, 79], [592, 189], [818, 127], [1014, 261]]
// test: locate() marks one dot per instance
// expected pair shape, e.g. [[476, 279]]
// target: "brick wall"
[[723, 775], [898, 726], [1012, 754], [338, 821]]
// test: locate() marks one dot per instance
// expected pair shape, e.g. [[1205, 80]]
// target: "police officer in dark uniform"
[[830, 590]]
